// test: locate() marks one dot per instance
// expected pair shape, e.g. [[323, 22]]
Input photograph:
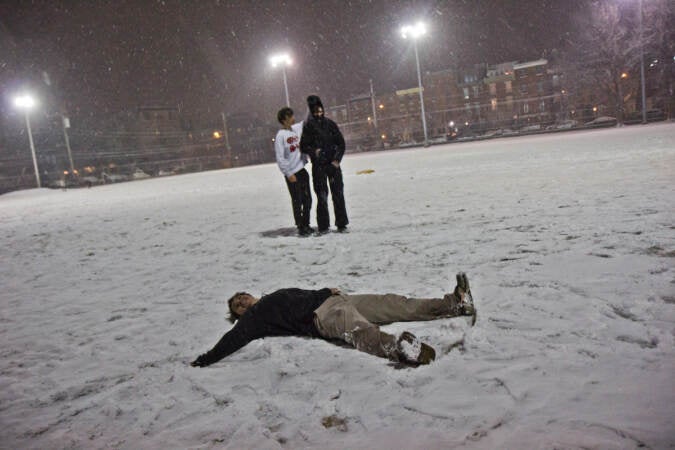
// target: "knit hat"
[[313, 102]]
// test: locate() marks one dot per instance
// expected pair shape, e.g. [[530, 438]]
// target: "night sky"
[[211, 56]]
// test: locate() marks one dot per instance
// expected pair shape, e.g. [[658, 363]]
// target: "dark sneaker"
[[323, 231], [343, 229], [305, 231], [411, 350]]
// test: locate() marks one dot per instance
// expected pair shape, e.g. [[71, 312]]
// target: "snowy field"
[[569, 242]]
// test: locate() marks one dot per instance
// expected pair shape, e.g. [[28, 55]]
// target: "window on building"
[[540, 87], [508, 87], [542, 106], [526, 108], [494, 104], [466, 93], [475, 91], [493, 89]]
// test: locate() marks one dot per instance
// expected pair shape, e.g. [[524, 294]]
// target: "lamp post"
[[642, 69], [283, 60], [25, 102], [414, 32], [66, 124]]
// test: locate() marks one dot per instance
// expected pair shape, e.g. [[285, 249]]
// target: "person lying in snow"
[[328, 314]]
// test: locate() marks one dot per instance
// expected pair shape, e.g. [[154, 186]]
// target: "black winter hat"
[[313, 102]]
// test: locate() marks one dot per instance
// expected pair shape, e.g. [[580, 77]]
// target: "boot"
[[411, 350]]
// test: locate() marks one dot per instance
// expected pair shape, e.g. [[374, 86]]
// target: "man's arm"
[[243, 332], [307, 140], [339, 142], [282, 162]]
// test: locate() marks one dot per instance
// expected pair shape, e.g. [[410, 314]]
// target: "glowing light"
[[24, 101], [384, 136], [381, 106], [282, 58], [216, 135], [624, 75], [413, 31], [595, 109]]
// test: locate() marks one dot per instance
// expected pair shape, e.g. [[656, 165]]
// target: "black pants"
[[325, 175], [301, 198]]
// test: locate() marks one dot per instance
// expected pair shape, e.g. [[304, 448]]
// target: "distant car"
[[113, 177], [602, 121], [563, 125], [164, 173], [531, 128], [139, 175], [90, 180]]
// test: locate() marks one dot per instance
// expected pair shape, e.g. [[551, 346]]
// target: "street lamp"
[[414, 32], [25, 102], [282, 60]]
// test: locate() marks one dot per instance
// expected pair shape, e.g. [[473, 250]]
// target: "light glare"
[[281, 59], [24, 101], [413, 31]]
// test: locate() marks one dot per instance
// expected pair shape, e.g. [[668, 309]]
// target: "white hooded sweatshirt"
[[287, 147]]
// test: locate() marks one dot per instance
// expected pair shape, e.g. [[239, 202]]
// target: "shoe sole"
[[426, 355]]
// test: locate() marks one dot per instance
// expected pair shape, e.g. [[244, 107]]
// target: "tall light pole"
[[642, 69], [282, 60], [25, 102], [414, 32], [66, 124]]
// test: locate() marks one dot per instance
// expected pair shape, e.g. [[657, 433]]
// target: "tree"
[[602, 59], [659, 39]]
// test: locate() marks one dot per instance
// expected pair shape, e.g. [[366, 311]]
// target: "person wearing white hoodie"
[[291, 162]]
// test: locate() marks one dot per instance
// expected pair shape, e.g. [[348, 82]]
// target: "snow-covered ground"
[[568, 240]]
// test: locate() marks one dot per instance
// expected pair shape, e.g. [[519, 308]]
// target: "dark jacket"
[[321, 133], [324, 134], [286, 312]]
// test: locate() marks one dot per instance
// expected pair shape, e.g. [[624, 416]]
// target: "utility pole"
[[66, 124], [32, 150], [372, 101], [419, 79], [227, 139], [642, 70]]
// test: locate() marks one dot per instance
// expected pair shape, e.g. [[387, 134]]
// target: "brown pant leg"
[[388, 308], [337, 318]]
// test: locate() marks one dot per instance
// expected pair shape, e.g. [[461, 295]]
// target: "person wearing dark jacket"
[[325, 145], [329, 314]]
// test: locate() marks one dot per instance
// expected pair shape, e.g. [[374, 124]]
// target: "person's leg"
[[337, 194], [390, 308], [321, 189], [305, 196], [337, 318], [293, 189]]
